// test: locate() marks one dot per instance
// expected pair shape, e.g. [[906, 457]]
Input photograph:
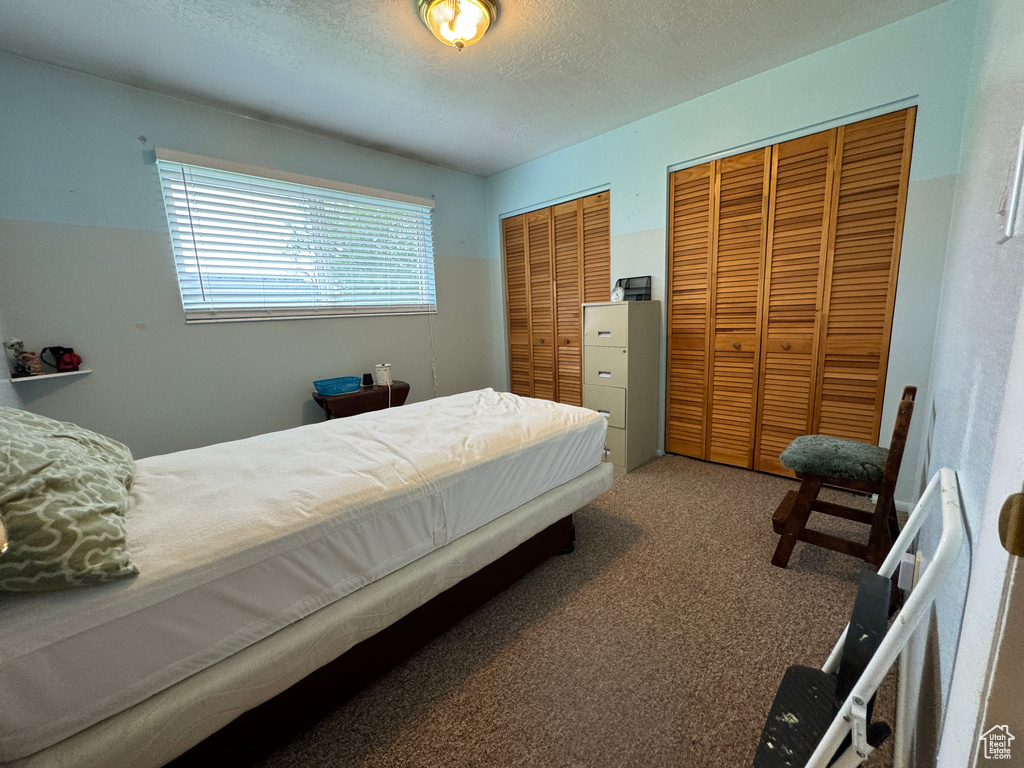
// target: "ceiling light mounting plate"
[[458, 23]]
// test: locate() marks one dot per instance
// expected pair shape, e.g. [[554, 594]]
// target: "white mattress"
[[238, 540]]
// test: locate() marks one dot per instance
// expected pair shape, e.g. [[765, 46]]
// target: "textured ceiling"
[[549, 74]]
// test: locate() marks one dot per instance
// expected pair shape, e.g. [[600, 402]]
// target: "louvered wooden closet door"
[[542, 314], [869, 200], [555, 259], [689, 308], [739, 233], [794, 274], [518, 303], [567, 219], [597, 247]]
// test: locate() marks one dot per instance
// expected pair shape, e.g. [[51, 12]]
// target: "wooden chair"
[[820, 460], [821, 718]]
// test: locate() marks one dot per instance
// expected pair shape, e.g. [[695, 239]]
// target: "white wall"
[[921, 60], [8, 395], [85, 261], [975, 412]]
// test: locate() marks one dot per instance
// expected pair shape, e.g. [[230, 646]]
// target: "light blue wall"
[[71, 154], [85, 261], [976, 413], [921, 60]]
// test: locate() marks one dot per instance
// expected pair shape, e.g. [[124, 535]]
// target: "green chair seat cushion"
[[836, 457], [63, 496]]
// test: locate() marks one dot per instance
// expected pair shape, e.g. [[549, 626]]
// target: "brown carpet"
[[659, 642]]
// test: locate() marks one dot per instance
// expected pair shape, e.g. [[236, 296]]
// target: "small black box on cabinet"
[[635, 288]]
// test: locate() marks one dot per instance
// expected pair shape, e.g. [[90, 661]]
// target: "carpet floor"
[[659, 642]]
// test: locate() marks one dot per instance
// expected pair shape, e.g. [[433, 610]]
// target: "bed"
[[264, 560]]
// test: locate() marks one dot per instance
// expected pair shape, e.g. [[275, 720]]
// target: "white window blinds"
[[255, 247]]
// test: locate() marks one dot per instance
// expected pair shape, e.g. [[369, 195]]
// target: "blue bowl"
[[338, 386]]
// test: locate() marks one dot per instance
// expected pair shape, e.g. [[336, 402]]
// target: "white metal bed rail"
[[852, 715]]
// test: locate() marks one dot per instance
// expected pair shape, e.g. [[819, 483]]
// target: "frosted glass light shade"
[[458, 23]]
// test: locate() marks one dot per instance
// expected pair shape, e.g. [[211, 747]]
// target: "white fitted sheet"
[[237, 540]]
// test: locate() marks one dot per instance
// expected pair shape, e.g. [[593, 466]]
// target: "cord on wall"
[[1011, 197], [431, 350]]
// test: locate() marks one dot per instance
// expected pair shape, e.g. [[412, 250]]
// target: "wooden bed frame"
[[267, 727]]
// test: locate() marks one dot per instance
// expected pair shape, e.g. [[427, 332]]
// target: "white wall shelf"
[[42, 376]]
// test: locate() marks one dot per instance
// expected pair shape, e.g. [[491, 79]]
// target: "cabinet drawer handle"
[[606, 414], [566, 341], [735, 345], [604, 334], [604, 374], [785, 345]]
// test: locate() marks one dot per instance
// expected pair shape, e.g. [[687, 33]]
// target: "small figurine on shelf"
[[16, 358]]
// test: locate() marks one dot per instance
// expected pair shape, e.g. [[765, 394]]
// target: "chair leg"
[[881, 538], [796, 521], [894, 533], [894, 525]]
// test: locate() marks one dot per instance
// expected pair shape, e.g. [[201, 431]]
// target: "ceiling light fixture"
[[458, 23]]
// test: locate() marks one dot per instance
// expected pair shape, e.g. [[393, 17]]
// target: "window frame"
[[415, 233]]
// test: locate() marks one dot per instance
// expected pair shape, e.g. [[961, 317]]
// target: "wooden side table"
[[371, 398]]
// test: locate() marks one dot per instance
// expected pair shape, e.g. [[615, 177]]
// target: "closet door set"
[[556, 258], [782, 271], [567, 342]]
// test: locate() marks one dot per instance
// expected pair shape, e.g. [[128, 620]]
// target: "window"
[[253, 244]]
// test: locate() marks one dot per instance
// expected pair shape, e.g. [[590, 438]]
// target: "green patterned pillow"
[[63, 494]]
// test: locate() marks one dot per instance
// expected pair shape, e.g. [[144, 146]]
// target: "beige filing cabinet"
[[620, 376]]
